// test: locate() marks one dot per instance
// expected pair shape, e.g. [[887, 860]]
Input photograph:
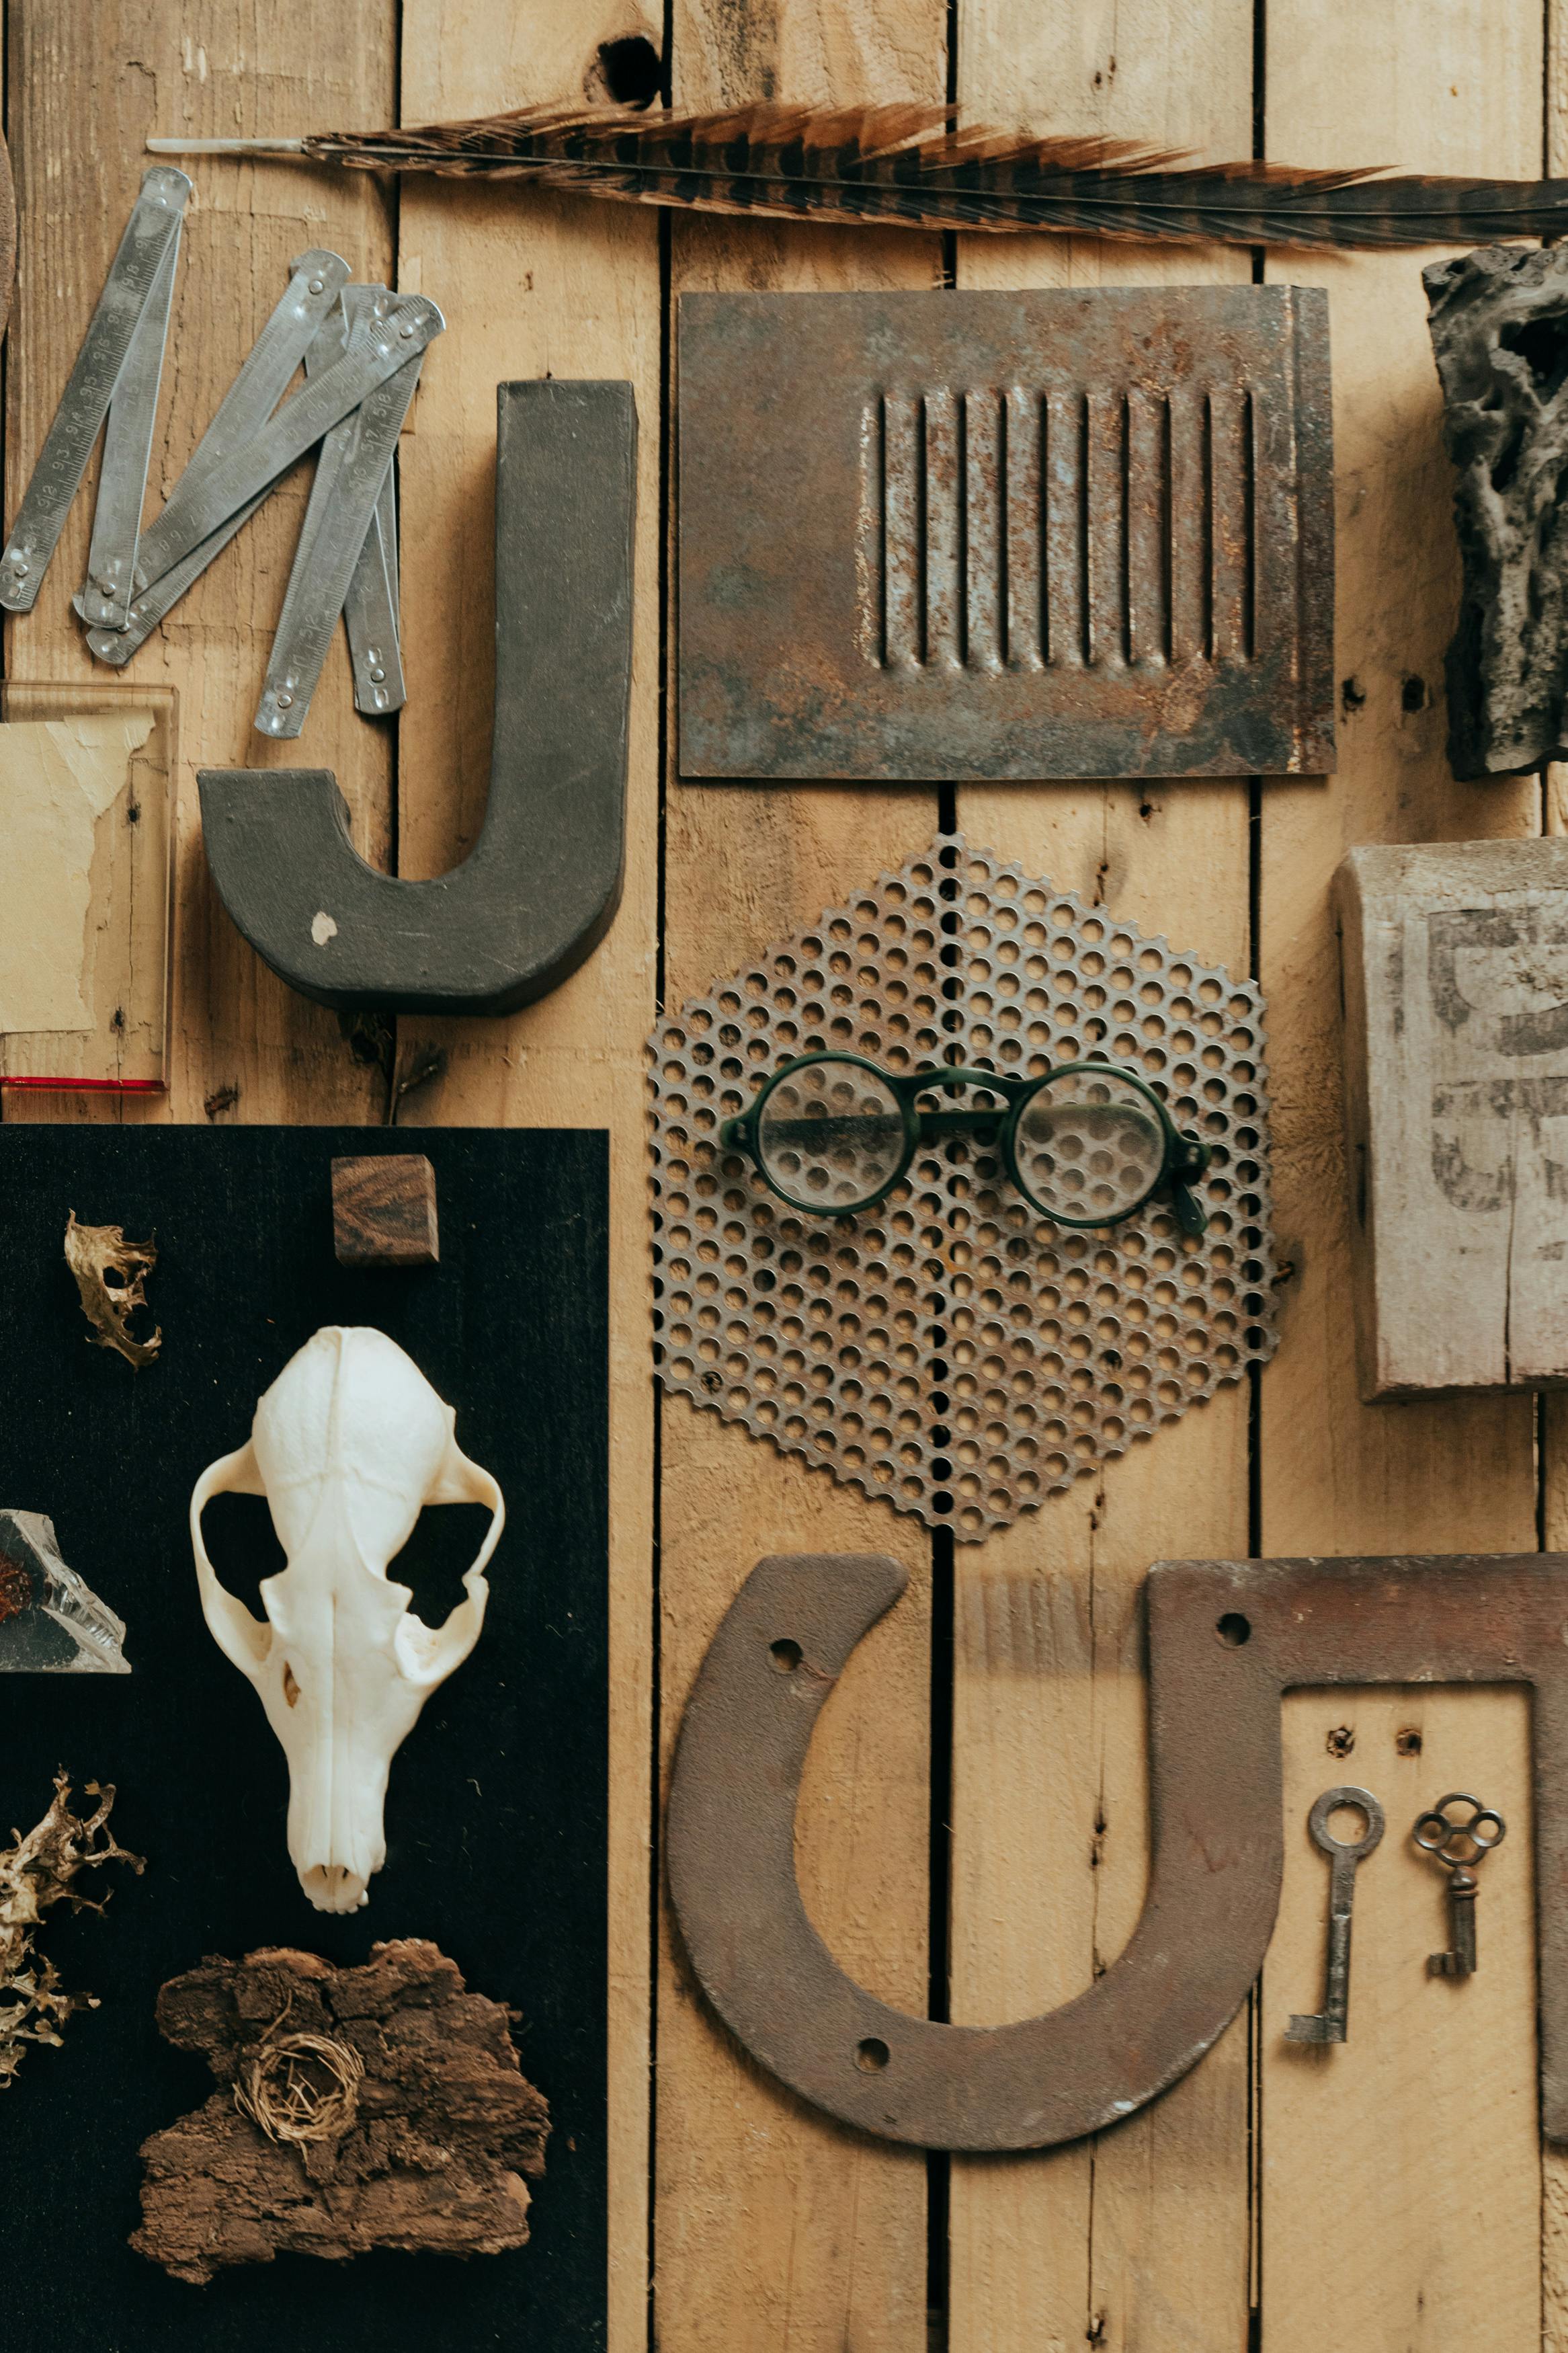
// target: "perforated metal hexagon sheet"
[[951, 1350]]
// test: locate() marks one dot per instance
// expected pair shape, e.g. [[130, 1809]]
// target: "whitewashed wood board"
[[1456, 986]]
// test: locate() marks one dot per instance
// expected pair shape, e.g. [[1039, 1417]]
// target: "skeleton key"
[[1459, 1847], [1330, 2024]]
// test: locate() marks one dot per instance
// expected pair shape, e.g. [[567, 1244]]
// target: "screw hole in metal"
[[1234, 1630], [871, 2055], [785, 1656]]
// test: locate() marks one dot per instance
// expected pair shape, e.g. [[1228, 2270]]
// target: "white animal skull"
[[348, 1446]]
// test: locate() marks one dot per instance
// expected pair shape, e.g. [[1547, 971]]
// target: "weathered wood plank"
[[1368, 2148], [776, 2229], [1554, 1432], [1141, 2237], [1457, 92], [116, 961], [1554, 2159], [1456, 971], [534, 285], [86, 89]]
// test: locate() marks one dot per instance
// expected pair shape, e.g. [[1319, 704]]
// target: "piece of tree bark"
[[1499, 320], [426, 2151], [384, 1210]]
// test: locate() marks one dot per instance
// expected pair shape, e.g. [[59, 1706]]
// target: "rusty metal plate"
[[1046, 534], [1225, 1640]]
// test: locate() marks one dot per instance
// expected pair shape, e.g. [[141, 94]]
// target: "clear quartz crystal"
[[51, 1620]]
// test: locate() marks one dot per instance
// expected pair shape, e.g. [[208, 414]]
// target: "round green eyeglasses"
[[1087, 1144]]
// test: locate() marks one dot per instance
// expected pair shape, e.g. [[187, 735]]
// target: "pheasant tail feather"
[[916, 167]]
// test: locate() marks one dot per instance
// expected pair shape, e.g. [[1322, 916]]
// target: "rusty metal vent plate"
[[1053, 533], [951, 1350]]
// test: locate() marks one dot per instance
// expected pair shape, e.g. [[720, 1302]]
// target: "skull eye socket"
[[244, 1546], [440, 1550], [290, 1688]]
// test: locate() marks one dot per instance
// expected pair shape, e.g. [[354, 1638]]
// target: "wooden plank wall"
[[1277, 2197], [1147, 2229], [775, 2228]]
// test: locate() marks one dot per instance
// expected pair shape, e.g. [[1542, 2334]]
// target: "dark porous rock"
[[1499, 318], [425, 2154]]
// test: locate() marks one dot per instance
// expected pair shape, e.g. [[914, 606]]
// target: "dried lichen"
[[36, 1873], [111, 1276]]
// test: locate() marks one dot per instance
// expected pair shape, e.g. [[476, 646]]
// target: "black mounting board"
[[495, 1814]]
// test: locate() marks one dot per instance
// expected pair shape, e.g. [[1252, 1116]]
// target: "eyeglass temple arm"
[[1188, 1162]]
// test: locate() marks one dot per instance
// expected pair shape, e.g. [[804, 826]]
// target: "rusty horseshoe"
[[1225, 1640]]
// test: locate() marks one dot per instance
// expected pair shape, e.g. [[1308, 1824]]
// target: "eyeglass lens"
[[1088, 1146], [830, 1134]]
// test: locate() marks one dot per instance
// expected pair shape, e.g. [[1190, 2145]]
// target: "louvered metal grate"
[[1029, 534], [1008, 529]]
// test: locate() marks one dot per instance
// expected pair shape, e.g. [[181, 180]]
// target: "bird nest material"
[[301, 2088]]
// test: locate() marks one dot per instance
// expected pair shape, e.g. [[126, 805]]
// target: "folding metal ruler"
[[116, 375], [361, 346]]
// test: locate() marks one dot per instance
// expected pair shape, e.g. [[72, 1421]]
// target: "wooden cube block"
[[1456, 998], [384, 1210]]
